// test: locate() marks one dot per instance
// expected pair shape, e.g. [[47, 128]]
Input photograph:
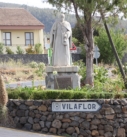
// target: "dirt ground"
[[11, 75]]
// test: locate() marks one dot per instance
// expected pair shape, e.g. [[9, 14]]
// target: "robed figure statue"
[[61, 42]]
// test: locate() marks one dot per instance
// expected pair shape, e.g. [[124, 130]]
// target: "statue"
[[60, 41]]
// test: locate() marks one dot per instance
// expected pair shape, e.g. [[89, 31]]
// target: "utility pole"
[[114, 50]]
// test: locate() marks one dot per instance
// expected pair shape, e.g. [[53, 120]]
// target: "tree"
[[85, 10], [103, 43]]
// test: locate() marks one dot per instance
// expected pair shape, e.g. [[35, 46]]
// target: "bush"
[[19, 50], [86, 93], [38, 48], [33, 64], [1, 48], [9, 51]]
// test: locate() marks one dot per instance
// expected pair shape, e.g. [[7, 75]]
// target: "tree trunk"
[[89, 56]]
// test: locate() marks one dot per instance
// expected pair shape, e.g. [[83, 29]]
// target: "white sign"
[[75, 106], [96, 54]]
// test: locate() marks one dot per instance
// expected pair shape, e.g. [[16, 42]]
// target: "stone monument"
[[61, 42]]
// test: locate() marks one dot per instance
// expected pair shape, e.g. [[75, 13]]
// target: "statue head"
[[62, 17]]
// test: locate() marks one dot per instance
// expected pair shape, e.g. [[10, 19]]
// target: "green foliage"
[[82, 69], [37, 93], [103, 43], [19, 50], [9, 51], [38, 48], [33, 64], [1, 48], [100, 74]]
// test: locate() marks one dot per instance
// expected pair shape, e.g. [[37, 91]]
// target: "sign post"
[[88, 106], [96, 54], [49, 56]]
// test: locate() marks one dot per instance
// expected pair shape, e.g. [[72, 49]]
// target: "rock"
[[74, 123], [56, 123], [74, 135], [95, 133], [23, 120], [30, 120], [36, 120], [37, 116], [66, 116], [74, 114], [31, 114], [82, 115], [42, 108], [28, 126], [85, 125], [89, 116], [36, 127], [75, 118], [108, 128], [29, 103], [110, 117], [66, 120], [77, 130], [101, 132], [33, 107], [43, 118], [93, 127], [65, 125], [99, 116], [95, 122], [50, 118], [124, 109], [26, 113], [121, 132], [22, 106], [52, 130], [20, 113], [103, 122], [100, 127], [48, 124], [123, 102], [60, 131], [45, 130], [37, 103], [83, 132], [16, 120], [42, 124], [60, 117], [118, 109], [70, 130], [108, 134], [109, 111]]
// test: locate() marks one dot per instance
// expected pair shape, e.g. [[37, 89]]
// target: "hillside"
[[46, 16]]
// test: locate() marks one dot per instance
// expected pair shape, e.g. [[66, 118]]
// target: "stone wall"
[[109, 121], [26, 58]]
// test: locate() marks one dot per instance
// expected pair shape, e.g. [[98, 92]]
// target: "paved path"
[[8, 132], [26, 84]]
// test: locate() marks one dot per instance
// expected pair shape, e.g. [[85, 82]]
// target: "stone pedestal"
[[66, 77]]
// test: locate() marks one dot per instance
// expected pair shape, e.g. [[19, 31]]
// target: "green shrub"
[[33, 64], [19, 50], [38, 48], [1, 48], [37, 93], [9, 51]]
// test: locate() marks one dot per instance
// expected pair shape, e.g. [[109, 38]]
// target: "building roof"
[[18, 17]]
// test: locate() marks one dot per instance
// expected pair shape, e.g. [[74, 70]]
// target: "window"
[[29, 38], [7, 38]]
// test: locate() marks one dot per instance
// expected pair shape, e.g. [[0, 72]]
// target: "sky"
[[34, 3]]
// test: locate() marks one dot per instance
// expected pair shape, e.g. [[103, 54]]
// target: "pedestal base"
[[66, 77]]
